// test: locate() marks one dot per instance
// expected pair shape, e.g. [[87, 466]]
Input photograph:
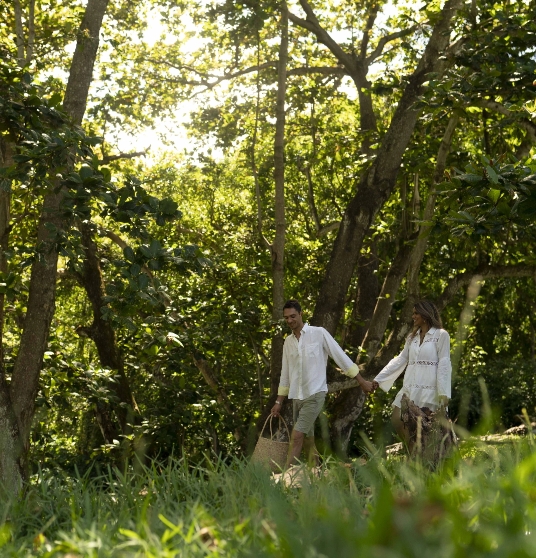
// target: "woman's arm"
[[386, 378]]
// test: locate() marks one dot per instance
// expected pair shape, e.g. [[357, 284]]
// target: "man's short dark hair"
[[292, 304]]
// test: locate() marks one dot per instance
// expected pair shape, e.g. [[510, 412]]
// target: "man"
[[303, 377]]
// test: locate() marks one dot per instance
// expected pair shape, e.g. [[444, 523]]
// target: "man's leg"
[[305, 413], [313, 457], [296, 445]]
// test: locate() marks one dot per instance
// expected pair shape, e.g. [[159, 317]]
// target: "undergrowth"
[[481, 503]]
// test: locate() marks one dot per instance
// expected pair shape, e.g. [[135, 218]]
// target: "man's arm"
[[276, 409], [284, 384], [344, 362]]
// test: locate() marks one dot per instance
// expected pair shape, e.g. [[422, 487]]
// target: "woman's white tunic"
[[428, 373]]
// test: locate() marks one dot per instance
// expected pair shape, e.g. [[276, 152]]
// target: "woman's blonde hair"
[[428, 310]]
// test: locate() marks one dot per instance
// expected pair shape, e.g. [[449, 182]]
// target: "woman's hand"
[[443, 401]]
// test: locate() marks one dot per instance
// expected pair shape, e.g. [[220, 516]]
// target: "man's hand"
[[276, 409], [366, 386]]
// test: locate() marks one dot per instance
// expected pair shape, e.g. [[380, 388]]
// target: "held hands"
[[368, 387]]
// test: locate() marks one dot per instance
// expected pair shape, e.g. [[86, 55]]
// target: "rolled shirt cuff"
[[353, 371], [283, 390]]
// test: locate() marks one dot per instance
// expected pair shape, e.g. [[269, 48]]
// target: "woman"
[[427, 357]]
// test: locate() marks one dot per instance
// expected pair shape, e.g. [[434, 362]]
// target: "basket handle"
[[269, 418]]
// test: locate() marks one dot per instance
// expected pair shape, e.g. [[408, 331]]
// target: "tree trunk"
[[41, 299], [102, 334], [278, 246], [379, 181], [348, 404], [343, 406], [365, 301], [431, 434], [11, 467]]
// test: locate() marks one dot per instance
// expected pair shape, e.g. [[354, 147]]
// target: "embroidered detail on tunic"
[[424, 362], [420, 386], [431, 340]]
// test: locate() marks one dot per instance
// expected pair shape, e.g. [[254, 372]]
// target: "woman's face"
[[418, 320]]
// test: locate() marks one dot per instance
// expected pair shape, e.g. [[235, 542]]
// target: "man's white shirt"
[[304, 362]]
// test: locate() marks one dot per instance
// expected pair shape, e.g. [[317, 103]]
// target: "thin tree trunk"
[[31, 32], [19, 32], [342, 407], [278, 246], [367, 294], [385, 301], [102, 334], [11, 467]]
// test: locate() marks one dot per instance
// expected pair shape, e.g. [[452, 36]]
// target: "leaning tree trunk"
[[41, 298], [102, 334], [379, 180], [348, 404]]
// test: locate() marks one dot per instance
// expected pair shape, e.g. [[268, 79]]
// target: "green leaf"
[[129, 254], [85, 172], [492, 175], [106, 174], [143, 281], [469, 177], [168, 206], [494, 195], [135, 270]]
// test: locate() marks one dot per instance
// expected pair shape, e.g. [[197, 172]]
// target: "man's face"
[[293, 318]]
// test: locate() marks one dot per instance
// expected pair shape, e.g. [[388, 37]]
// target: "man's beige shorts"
[[306, 411]]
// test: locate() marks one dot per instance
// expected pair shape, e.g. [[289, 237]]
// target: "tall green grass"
[[481, 503]]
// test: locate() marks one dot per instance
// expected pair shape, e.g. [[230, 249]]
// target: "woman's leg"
[[400, 428]]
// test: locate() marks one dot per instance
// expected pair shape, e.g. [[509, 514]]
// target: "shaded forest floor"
[[481, 503]]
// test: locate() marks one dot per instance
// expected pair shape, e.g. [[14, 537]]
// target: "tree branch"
[[525, 123], [312, 24], [486, 272], [205, 77], [377, 52], [328, 228], [109, 158], [368, 28]]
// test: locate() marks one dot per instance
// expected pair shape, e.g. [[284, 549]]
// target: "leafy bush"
[[496, 391]]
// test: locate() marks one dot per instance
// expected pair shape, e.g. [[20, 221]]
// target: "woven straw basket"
[[270, 452]]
